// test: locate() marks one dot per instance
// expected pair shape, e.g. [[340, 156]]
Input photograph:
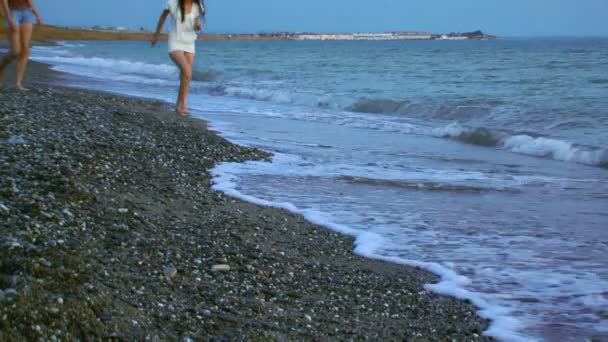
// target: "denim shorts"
[[22, 16]]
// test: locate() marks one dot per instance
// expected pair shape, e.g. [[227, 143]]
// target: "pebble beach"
[[109, 228]]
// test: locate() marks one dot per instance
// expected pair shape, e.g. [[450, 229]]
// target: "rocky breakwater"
[[109, 229]]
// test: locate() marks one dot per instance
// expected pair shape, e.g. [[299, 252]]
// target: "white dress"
[[182, 35]]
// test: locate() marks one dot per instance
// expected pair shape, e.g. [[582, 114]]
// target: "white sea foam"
[[367, 244], [452, 130]]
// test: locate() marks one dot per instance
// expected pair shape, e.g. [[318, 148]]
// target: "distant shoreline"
[[48, 32]]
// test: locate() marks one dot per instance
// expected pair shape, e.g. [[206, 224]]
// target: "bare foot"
[[21, 88], [182, 111]]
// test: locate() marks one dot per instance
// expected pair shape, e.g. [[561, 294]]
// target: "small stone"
[[220, 268], [67, 213], [16, 140], [308, 318], [123, 210], [105, 316], [4, 208], [10, 292], [170, 272], [59, 300]]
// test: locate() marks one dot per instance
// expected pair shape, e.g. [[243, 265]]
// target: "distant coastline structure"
[[404, 35], [364, 36]]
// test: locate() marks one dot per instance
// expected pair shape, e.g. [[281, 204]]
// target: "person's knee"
[[187, 75]]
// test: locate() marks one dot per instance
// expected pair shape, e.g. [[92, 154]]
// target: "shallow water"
[[485, 159]]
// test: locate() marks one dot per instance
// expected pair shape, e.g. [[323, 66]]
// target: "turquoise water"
[[484, 161]]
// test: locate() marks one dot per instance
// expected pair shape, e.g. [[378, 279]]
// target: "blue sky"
[[504, 17]]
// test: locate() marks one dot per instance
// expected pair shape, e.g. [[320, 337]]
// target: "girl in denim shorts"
[[20, 17]]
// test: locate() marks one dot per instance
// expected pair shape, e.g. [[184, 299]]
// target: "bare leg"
[[26, 36], [190, 62], [184, 64], [7, 59]]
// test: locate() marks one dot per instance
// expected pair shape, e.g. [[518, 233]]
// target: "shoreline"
[[111, 229]]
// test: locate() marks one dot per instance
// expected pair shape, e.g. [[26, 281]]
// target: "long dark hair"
[[201, 7]]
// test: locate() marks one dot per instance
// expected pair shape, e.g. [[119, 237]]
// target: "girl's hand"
[[197, 25], [154, 40], [38, 20]]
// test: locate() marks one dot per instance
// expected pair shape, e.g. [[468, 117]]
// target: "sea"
[[485, 162]]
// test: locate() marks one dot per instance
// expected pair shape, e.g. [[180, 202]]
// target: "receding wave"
[[526, 144], [426, 186]]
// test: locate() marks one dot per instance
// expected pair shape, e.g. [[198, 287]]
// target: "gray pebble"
[[170, 272]]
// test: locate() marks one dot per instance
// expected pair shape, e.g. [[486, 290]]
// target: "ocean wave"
[[475, 136], [426, 186], [114, 65], [526, 144], [378, 106], [453, 110], [556, 149], [120, 77], [257, 94]]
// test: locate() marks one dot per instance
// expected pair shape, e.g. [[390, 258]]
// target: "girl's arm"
[[159, 26], [35, 10], [7, 13]]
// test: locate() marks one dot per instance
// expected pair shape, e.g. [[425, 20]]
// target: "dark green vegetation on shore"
[[109, 228]]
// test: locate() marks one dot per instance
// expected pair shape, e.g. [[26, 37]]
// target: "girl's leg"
[[14, 40], [180, 59], [26, 36], [189, 61]]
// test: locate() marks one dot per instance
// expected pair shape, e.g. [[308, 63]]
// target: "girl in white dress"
[[185, 15]]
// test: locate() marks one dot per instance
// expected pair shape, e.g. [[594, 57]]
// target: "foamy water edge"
[[503, 326]]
